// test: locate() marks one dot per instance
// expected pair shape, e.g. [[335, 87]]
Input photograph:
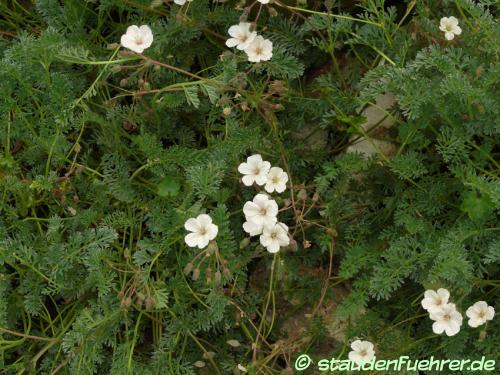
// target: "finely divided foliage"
[[214, 187]]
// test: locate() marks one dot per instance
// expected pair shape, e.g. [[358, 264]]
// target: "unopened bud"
[[196, 274], [272, 12], [208, 274], [315, 197], [482, 335], [227, 111], [116, 69], [149, 303], [124, 82], [212, 247], [121, 294], [188, 268], [302, 195], [244, 107], [244, 243], [218, 277]]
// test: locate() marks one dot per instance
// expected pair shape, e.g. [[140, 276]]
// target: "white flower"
[[241, 36], [181, 2], [435, 300], [137, 38], [276, 180], [242, 368], [450, 27], [203, 231], [252, 228], [272, 238], [263, 1], [255, 170], [479, 313], [362, 352], [260, 212], [447, 319], [259, 50]]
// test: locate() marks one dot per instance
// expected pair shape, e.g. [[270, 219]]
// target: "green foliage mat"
[[106, 153]]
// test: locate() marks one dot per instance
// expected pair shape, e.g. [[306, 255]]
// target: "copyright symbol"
[[302, 362]]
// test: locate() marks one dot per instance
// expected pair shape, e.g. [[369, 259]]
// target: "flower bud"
[[227, 111], [116, 69], [196, 274], [150, 303], [212, 247], [188, 268], [218, 277], [208, 274], [302, 195], [244, 243]]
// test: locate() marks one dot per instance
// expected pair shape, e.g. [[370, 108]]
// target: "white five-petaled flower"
[[203, 231], [276, 180], [241, 35], [447, 319], [181, 2], [137, 38], [362, 352], [261, 212], [479, 313], [435, 300], [449, 25], [253, 229], [254, 170], [259, 50], [272, 238]]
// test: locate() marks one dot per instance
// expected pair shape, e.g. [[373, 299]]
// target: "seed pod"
[[218, 277]]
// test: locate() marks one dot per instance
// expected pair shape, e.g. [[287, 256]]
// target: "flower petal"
[[191, 239]]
